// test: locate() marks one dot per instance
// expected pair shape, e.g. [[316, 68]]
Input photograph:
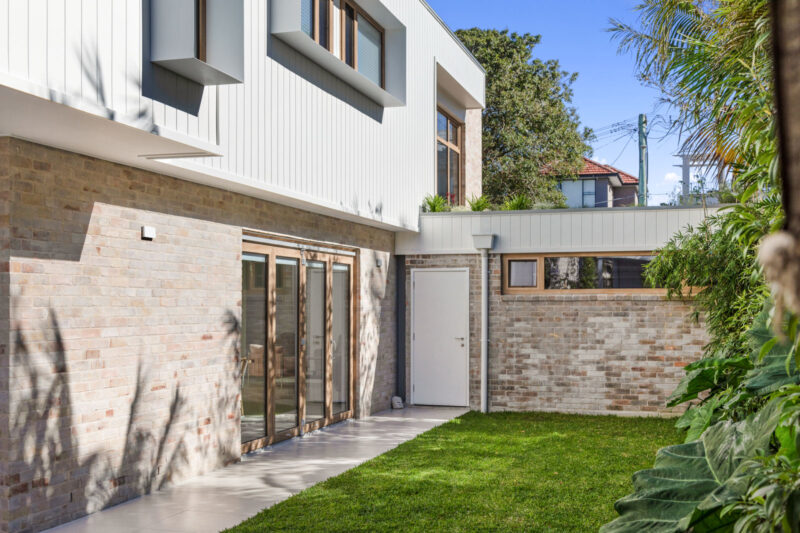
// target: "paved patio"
[[228, 496]]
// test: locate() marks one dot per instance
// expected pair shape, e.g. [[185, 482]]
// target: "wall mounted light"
[[148, 233]]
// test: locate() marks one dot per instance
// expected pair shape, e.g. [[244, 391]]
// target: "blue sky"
[[606, 92]]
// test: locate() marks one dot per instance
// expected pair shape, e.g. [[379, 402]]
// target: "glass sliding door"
[[297, 352], [315, 341], [340, 339], [285, 392], [253, 359]]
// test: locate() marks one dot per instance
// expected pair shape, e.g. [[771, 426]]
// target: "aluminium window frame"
[[357, 11], [540, 274], [458, 148], [593, 193]]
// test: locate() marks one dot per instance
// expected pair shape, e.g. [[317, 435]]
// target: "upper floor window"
[[363, 43], [449, 143], [579, 193], [315, 20]]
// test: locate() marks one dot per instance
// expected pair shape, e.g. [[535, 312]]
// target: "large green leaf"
[[690, 483], [703, 417], [703, 375], [692, 384], [774, 366], [771, 374]]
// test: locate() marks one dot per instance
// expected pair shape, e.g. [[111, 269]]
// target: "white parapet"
[[544, 231]]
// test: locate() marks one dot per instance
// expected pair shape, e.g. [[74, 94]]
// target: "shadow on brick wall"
[[49, 478]]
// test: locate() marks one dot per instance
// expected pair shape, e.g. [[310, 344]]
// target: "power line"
[[630, 138]]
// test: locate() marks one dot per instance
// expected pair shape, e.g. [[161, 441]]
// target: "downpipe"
[[484, 330]]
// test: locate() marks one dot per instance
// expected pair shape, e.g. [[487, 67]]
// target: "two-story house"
[[199, 202]]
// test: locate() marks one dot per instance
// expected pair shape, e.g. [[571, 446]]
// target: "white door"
[[440, 337]]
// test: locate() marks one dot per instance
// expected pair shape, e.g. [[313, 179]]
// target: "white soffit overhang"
[[47, 117], [449, 85]]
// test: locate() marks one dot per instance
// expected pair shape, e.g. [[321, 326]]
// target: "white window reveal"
[[364, 47]]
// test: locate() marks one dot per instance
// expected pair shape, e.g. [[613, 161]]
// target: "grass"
[[498, 472]]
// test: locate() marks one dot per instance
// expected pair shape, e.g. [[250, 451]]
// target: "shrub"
[[435, 204], [479, 203], [518, 202]]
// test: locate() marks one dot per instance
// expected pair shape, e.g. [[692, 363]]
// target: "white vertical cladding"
[[291, 127], [328, 141], [564, 230], [90, 52]]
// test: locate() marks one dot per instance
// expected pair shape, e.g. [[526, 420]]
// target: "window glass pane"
[[588, 193], [315, 341], [370, 50], [441, 170], [349, 36], [254, 337], [323, 21], [453, 133], [286, 336], [455, 177], [340, 342], [596, 272], [522, 273], [307, 17], [573, 191], [441, 125]]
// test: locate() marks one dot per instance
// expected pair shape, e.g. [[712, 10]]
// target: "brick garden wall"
[[122, 373], [594, 354]]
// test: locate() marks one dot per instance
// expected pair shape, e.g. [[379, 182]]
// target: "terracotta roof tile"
[[593, 168]]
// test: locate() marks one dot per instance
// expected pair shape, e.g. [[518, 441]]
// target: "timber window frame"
[[201, 37], [351, 47], [541, 261], [322, 38], [453, 128]]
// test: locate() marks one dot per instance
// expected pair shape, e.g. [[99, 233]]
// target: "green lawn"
[[498, 472]]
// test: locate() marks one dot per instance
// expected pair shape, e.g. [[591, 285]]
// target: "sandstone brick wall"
[[5, 233], [473, 156], [595, 354], [122, 372]]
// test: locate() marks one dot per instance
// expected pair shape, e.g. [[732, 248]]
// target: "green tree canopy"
[[530, 133]]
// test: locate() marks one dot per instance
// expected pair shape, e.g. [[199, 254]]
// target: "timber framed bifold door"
[[297, 355]]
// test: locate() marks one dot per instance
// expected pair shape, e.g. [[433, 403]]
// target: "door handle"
[[460, 339]]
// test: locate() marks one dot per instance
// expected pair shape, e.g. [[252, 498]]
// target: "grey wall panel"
[[566, 230]]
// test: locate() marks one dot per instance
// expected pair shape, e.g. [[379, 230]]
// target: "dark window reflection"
[[254, 338], [596, 272]]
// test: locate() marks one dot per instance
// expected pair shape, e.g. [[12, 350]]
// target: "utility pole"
[[643, 160]]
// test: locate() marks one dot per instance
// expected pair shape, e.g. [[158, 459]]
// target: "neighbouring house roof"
[[593, 168]]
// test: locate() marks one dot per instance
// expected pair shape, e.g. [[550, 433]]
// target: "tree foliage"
[[530, 133], [712, 61], [719, 276]]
